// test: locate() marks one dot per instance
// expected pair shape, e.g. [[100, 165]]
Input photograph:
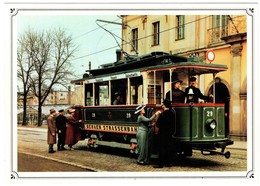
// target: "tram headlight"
[[211, 124]]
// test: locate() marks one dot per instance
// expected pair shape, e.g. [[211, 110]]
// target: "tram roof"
[[156, 61], [194, 68]]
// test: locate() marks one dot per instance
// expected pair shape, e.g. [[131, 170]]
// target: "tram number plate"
[[128, 115]]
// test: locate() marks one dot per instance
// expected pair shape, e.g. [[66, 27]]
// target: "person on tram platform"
[[166, 124], [143, 138], [178, 96], [117, 100], [192, 93]]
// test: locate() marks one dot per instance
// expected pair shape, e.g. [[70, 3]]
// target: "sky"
[[94, 43]]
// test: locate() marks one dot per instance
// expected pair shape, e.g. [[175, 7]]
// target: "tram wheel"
[[227, 155]]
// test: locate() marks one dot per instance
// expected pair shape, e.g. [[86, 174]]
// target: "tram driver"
[[193, 93]]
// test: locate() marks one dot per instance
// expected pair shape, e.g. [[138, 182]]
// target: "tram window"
[[158, 94], [119, 86], [89, 95], [103, 95]]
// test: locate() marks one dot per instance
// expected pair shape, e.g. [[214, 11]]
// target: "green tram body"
[[199, 126], [118, 125]]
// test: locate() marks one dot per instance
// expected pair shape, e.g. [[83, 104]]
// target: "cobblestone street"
[[32, 142]]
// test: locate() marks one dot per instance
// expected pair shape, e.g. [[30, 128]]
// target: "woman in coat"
[[72, 133], [142, 135], [51, 137]]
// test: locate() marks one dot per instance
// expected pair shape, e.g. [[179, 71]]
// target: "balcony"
[[236, 25]]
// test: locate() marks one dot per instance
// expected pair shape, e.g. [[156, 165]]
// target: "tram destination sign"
[[111, 128], [114, 77]]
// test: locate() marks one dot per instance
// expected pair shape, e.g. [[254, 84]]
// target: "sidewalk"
[[242, 145]]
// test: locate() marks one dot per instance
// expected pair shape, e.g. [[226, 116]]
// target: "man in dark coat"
[[61, 122], [193, 93], [178, 96], [51, 137], [166, 125]]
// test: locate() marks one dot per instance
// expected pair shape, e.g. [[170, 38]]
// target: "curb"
[[64, 162]]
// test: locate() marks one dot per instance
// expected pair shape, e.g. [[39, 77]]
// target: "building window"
[[135, 39], [180, 27], [219, 28], [220, 23], [156, 33]]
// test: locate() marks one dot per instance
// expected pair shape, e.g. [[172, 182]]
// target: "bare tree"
[[24, 69], [50, 53]]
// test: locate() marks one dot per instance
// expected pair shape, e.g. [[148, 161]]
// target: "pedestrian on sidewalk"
[[73, 131], [51, 136], [61, 122]]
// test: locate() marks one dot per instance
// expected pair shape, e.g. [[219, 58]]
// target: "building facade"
[[195, 35], [56, 97]]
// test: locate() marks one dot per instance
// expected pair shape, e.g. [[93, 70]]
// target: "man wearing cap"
[[61, 122], [51, 137], [143, 147], [178, 96], [117, 101], [193, 93], [166, 125]]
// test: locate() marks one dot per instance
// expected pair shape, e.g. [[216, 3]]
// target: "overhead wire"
[[129, 42], [90, 31]]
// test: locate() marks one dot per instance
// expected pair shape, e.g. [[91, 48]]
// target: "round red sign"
[[210, 55]]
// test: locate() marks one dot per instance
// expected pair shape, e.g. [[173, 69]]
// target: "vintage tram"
[[145, 80]]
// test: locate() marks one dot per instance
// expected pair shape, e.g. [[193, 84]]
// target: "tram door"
[[136, 90], [222, 96], [154, 94]]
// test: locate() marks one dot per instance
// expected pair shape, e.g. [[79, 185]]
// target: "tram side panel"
[[109, 123], [186, 127]]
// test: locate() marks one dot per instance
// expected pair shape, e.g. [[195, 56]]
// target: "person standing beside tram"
[[143, 147], [51, 137], [178, 96], [61, 122], [193, 93], [72, 133], [166, 124]]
